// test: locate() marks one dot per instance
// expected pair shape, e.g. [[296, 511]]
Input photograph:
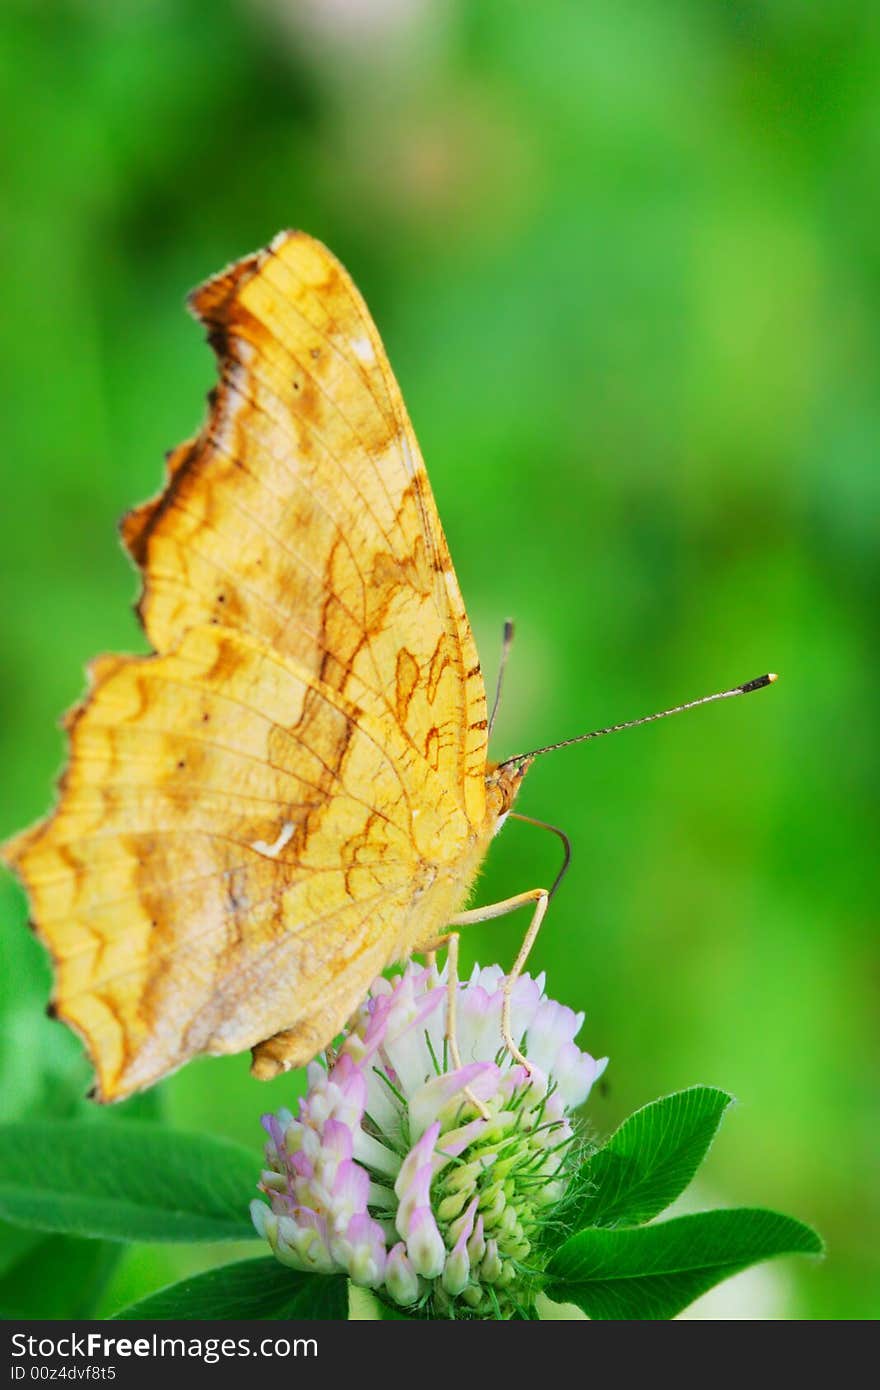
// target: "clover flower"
[[430, 1185]]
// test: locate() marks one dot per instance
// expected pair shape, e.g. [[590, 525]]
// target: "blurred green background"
[[625, 260]]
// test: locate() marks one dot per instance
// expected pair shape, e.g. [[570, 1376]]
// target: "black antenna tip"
[[508, 630], [758, 683]]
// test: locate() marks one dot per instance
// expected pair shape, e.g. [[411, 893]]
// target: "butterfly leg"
[[452, 982], [429, 950], [450, 941], [540, 897]]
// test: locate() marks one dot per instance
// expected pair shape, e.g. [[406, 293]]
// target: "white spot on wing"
[[363, 350], [272, 851], [406, 454]]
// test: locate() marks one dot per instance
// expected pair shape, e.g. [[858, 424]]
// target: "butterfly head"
[[503, 781]]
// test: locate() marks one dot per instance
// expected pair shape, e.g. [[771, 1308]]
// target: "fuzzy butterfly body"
[[293, 790]]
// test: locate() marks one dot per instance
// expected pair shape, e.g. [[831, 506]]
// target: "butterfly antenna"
[[757, 684], [506, 644]]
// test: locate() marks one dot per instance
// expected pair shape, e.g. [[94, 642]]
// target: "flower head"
[[427, 1184]]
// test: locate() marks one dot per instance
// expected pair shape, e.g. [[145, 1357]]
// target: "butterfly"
[[293, 791]]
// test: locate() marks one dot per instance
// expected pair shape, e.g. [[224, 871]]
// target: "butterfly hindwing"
[[234, 851]]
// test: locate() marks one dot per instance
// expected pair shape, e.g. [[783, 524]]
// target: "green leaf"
[[261, 1288], [649, 1160], [656, 1271], [59, 1277], [125, 1181], [15, 1242]]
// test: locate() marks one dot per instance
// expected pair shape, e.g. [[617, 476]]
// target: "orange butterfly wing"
[[291, 792], [302, 514]]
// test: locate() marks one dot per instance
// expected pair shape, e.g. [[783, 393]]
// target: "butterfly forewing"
[[302, 514]]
